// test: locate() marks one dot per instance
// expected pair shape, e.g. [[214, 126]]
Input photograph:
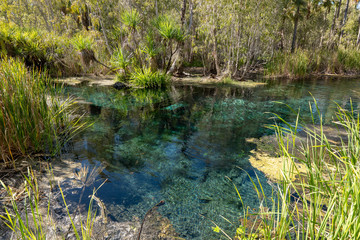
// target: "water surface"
[[182, 144]]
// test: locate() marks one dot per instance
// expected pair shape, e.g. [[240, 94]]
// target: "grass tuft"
[[146, 78], [32, 118]]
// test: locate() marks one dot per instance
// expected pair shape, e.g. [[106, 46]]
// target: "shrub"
[[81, 43], [144, 77], [302, 63], [131, 19], [292, 65], [121, 60], [349, 59]]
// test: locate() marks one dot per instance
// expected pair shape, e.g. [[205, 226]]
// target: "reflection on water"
[[178, 145]]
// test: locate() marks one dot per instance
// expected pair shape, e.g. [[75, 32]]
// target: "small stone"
[[119, 85]]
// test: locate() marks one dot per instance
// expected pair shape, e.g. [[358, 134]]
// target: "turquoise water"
[[180, 144]]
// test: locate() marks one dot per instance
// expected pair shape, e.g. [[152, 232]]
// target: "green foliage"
[[150, 48], [349, 59], [32, 119], [146, 78], [169, 30], [292, 65], [120, 59], [131, 19], [194, 63], [303, 63], [214, 31], [38, 49], [81, 42]]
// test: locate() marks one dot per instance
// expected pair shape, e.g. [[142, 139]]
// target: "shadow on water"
[[179, 144]]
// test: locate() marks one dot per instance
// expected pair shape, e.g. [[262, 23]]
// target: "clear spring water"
[[180, 144]]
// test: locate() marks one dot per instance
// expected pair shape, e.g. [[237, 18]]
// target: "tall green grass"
[[32, 118], [323, 202], [303, 63]]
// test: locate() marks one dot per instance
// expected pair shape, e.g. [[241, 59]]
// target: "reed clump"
[[303, 63], [32, 118], [321, 203]]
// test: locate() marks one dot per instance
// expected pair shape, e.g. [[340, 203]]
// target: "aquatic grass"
[[146, 78], [32, 119], [323, 202]]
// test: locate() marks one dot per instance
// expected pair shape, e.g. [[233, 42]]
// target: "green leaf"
[[216, 229]]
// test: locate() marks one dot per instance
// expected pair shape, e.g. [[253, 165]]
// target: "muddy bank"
[[267, 159], [110, 80], [201, 81]]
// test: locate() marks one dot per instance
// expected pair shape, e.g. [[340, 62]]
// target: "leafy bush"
[[131, 19], [42, 50], [169, 30], [81, 43], [144, 77], [349, 59], [121, 60]]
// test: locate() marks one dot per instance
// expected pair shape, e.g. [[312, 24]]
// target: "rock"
[[119, 85]]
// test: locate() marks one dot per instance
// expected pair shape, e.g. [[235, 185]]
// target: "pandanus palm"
[[171, 33]]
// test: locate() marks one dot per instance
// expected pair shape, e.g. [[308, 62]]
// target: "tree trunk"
[[215, 53], [282, 38], [177, 64], [183, 12], [358, 37], [156, 8], [344, 20], [296, 22], [336, 16], [103, 31]]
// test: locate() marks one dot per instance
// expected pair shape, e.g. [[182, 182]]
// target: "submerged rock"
[[119, 85]]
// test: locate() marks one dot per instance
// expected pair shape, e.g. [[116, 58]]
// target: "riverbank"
[[66, 176]]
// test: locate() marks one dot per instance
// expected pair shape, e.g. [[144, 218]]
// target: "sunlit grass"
[[323, 202], [302, 63], [32, 118]]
